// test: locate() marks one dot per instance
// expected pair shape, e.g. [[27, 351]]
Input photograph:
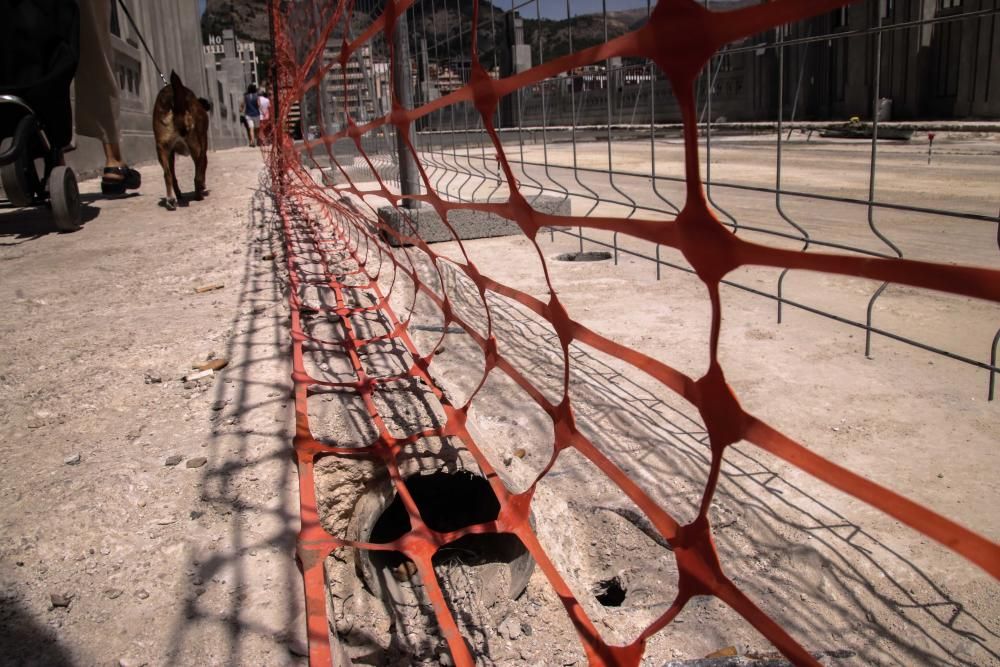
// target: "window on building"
[[116, 28], [885, 9], [839, 18], [949, 4], [947, 54]]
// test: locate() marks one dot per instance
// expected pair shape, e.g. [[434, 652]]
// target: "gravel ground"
[[151, 520], [847, 581], [145, 519]]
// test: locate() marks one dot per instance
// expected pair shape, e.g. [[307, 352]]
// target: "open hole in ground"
[[610, 592], [595, 256], [447, 501]]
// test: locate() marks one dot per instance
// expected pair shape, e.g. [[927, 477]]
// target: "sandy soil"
[[843, 578], [116, 557], [961, 178], [113, 552], [839, 575]]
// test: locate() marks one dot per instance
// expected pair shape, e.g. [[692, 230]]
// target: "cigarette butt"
[[199, 375], [208, 288], [213, 364]]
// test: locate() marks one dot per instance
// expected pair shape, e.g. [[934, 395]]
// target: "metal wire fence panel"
[[451, 108]]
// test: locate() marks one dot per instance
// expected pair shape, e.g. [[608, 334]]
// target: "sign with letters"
[[215, 44]]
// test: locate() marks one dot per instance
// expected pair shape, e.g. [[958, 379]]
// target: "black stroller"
[[39, 51]]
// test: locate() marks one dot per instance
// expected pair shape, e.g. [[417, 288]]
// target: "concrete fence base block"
[[467, 224], [334, 176]]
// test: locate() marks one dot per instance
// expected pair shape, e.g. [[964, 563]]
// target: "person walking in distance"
[[246, 128], [264, 104], [250, 107]]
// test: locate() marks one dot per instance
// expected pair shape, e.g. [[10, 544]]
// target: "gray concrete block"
[[467, 224], [355, 173]]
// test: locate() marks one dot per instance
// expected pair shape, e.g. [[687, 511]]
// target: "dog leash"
[[138, 33]]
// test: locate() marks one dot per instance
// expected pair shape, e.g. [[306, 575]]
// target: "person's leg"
[[113, 155], [252, 122], [97, 103], [97, 91]]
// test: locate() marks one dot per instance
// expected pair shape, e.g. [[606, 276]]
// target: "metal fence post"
[[402, 88], [276, 100]]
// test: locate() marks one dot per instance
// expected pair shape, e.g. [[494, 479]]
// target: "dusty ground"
[[962, 177], [174, 565], [160, 564], [840, 576]]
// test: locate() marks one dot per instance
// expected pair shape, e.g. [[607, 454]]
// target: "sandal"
[[130, 180]]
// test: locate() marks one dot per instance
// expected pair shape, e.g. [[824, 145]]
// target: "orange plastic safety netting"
[[680, 36]]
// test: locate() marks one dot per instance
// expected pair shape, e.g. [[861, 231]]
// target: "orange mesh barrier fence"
[[680, 36]]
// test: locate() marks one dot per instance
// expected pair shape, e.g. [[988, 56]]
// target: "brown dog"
[[180, 126]]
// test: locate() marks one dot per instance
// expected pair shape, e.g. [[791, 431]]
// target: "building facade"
[[935, 60], [222, 47], [361, 90], [945, 66]]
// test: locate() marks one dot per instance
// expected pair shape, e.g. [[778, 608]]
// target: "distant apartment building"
[[442, 80], [439, 79], [359, 91], [245, 52], [230, 66]]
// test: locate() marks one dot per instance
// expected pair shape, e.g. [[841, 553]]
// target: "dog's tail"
[[178, 90], [180, 94]]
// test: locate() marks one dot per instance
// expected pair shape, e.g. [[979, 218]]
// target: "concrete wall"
[[172, 31], [938, 71], [945, 70]]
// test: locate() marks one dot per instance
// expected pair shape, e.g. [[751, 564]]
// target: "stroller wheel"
[[65, 198], [19, 178]]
